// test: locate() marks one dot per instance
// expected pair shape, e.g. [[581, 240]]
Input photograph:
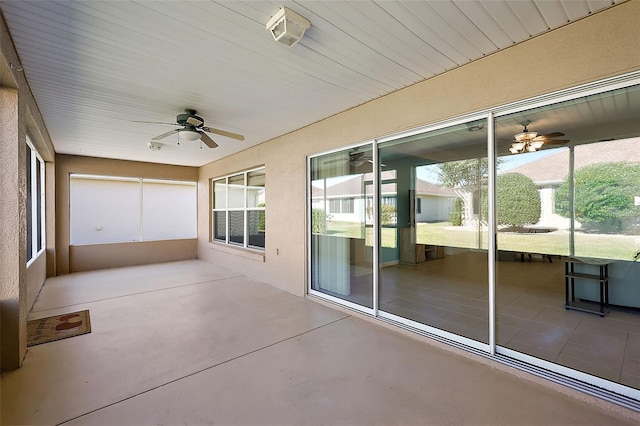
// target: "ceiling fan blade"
[[223, 133], [548, 136], [164, 135], [556, 142], [207, 140], [195, 122], [155, 122]]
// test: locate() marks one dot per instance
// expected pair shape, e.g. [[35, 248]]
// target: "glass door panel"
[[341, 249], [439, 276], [575, 197]]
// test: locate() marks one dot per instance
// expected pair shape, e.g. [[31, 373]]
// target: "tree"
[[463, 174], [466, 177], [604, 196], [517, 200]]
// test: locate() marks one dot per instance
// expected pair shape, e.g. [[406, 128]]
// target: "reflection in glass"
[[220, 226], [584, 204], [257, 227], [256, 188], [341, 259], [436, 272], [236, 227], [607, 199], [236, 191], [220, 194]]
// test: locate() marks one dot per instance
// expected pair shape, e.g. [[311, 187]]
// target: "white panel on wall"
[[104, 210], [168, 210]]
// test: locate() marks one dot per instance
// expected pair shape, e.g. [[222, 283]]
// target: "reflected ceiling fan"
[[359, 158], [192, 128], [355, 158], [528, 141]]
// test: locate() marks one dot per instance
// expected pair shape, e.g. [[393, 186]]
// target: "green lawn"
[[356, 230], [587, 245], [557, 242]]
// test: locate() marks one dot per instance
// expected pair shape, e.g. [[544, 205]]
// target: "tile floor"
[[191, 343]]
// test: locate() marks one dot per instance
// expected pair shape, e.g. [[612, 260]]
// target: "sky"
[[507, 162]]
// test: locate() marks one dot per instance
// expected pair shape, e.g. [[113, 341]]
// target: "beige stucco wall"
[[603, 45], [100, 256], [19, 116]]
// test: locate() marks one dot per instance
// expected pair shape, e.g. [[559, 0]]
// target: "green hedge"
[[518, 200], [604, 196]]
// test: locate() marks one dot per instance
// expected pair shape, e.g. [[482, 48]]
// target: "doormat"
[[58, 327]]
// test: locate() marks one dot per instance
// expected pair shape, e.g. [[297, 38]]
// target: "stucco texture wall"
[[603, 45], [19, 117]]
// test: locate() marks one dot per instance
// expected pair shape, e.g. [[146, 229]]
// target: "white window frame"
[[227, 210], [37, 192]]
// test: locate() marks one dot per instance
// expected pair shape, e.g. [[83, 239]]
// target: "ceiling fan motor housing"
[[182, 118]]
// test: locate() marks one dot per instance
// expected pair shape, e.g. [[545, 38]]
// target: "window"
[[35, 202], [238, 215], [108, 209], [334, 206], [346, 205]]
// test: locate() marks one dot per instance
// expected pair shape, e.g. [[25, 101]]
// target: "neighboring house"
[[345, 202], [434, 203], [550, 172]]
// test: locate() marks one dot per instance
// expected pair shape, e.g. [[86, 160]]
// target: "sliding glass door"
[[515, 231]]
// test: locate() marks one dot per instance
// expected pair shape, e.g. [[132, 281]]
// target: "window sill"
[[257, 255]]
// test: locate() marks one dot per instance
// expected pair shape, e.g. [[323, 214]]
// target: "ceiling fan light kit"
[[287, 27], [527, 141], [189, 135]]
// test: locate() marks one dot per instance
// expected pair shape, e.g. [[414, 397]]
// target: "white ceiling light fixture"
[[189, 135], [287, 27]]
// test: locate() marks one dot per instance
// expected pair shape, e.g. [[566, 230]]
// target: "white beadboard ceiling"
[[96, 67]]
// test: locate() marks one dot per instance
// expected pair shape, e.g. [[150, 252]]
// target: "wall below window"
[[101, 256]]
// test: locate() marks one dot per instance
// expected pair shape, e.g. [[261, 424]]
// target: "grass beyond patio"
[[606, 246]]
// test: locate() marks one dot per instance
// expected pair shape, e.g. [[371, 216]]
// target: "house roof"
[[555, 167]]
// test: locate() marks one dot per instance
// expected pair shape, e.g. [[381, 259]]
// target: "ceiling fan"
[[359, 158], [355, 159], [528, 141], [193, 128]]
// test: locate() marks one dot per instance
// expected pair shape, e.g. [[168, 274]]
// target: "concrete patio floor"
[[193, 343]]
